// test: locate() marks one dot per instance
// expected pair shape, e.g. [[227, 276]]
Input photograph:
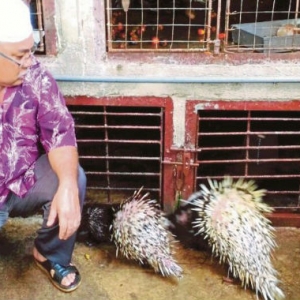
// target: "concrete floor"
[[106, 277]]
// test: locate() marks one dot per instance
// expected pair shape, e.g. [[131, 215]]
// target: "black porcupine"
[[139, 231], [180, 224], [230, 216], [95, 224]]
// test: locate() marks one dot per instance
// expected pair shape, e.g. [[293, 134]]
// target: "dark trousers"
[[40, 197]]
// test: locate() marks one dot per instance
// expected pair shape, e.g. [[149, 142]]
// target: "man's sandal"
[[57, 272]]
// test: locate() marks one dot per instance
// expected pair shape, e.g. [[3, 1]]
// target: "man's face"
[[15, 59]]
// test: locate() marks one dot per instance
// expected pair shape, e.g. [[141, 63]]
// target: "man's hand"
[[65, 207]]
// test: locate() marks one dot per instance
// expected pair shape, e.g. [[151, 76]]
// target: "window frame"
[[49, 28]]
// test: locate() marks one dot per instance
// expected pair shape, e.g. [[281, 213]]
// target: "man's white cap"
[[15, 24]]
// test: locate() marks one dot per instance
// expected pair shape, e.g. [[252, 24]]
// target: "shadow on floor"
[[106, 277]]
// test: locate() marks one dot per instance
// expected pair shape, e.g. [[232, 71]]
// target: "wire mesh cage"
[[147, 25], [203, 25], [262, 25]]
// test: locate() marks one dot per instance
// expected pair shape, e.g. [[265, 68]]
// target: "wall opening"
[[239, 26], [121, 145], [43, 22], [262, 26], [261, 144], [158, 25]]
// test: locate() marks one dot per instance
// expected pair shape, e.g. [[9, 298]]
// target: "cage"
[[202, 25], [252, 140], [121, 145], [205, 26], [275, 36], [262, 26], [147, 25]]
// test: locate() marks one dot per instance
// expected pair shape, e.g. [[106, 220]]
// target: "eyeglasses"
[[20, 63]]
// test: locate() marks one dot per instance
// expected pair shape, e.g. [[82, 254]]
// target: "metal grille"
[[203, 25], [147, 25], [259, 145], [37, 23], [262, 26], [120, 149]]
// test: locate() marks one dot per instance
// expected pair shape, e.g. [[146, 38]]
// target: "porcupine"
[[139, 231], [180, 224], [96, 221], [231, 217]]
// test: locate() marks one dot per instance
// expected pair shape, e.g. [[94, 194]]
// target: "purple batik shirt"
[[30, 113]]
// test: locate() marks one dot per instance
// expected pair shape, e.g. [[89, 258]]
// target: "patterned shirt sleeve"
[[55, 122], [31, 112]]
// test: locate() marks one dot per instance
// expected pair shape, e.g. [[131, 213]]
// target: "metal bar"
[[240, 105], [283, 192], [251, 177], [106, 126], [178, 80], [175, 163], [174, 50], [248, 160], [201, 149], [91, 113], [130, 174], [116, 189], [118, 141], [107, 166], [109, 23], [250, 133], [246, 119], [217, 40], [248, 142], [140, 158], [284, 219], [227, 19], [161, 154]]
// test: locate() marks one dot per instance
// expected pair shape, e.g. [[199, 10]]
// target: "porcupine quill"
[[139, 231], [230, 216]]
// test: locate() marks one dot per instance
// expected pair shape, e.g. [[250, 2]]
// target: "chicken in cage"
[[196, 25], [160, 25]]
